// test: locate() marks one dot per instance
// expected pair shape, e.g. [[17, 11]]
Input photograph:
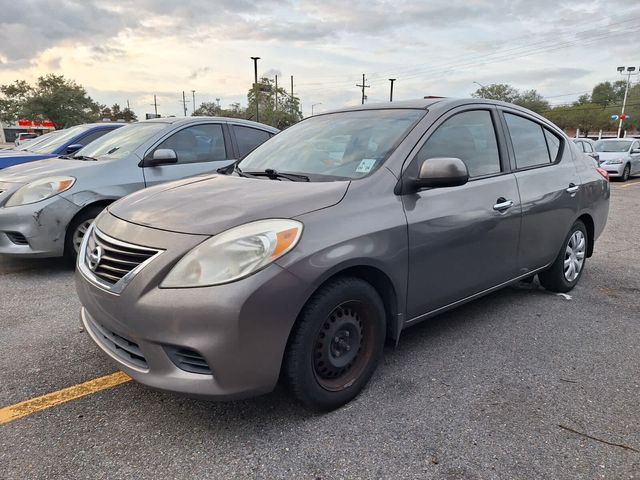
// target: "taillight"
[[603, 172]]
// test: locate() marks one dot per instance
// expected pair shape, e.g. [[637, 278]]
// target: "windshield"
[[122, 141], [612, 146], [37, 141], [56, 141], [339, 145]]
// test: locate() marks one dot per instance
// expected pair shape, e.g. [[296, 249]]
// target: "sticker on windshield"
[[366, 165]]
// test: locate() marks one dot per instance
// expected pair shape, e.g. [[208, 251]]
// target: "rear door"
[[635, 158], [462, 240], [200, 148], [248, 138], [548, 184]]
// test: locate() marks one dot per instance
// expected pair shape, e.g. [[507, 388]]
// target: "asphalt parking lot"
[[520, 384]]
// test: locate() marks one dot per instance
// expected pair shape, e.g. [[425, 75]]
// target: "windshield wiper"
[[275, 175], [85, 158]]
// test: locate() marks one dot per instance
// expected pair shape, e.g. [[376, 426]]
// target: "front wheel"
[[567, 268], [626, 173], [76, 231], [336, 344]]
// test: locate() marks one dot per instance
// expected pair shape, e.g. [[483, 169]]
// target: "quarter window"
[[90, 137], [249, 138], [469, 136], [198, 143], [533, 145]]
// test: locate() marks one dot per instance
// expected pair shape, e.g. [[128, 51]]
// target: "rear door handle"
[[503, 204], [573, 188]]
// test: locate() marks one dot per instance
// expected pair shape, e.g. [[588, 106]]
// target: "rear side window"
[[249, 138], [587, 147], [198, 143], [469, 136], [533, 145]]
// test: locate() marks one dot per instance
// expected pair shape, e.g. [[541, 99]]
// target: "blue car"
[[61, 142]]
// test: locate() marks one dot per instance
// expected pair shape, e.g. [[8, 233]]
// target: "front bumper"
[[239, 329], [614, 170], [37, 229]]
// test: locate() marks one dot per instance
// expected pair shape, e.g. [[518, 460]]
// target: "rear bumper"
[[36, 230]]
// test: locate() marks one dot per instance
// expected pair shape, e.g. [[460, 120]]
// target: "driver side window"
[[469, 136], [198, 143]]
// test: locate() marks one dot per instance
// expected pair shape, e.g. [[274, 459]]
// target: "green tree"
[[607, 93], [497, 91], [212, 109], [54, 98], [532, 100], [281, 115]]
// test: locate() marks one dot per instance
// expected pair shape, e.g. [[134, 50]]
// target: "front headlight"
[[40, 190], [617, 161], [234, 254]]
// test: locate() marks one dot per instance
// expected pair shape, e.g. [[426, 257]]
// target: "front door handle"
[[502, 204], [573, 188]]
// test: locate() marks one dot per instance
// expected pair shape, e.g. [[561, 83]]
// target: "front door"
[[462, 240], [200, 149]]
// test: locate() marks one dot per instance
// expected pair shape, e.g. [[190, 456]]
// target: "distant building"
[[10, 132]]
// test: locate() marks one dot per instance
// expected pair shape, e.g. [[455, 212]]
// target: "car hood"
[[210, 204], [612, 155], [9, 158], [43, 168]]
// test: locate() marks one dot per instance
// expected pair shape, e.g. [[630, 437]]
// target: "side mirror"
[[162, 156], [73, 148], [441, 172], [635, 151]]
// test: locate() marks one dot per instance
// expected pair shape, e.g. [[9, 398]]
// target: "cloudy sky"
[[130, 49]]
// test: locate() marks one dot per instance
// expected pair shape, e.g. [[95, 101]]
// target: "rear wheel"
[[567, 269], [336, 344], [77, 229], [626, 173]]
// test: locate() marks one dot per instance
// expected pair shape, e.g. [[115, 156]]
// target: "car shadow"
[[17, 265]]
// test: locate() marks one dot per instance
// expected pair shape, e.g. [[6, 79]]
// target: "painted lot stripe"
[[22, 409], [631, 184]]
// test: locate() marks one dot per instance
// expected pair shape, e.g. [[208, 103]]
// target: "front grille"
[[110, 259], [120, 346], [17, 238], [188, 360]]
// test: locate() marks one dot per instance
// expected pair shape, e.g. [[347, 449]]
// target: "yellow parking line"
[[37, 404], [632, 184]]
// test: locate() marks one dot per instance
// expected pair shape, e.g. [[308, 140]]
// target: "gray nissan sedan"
[[330, 238]]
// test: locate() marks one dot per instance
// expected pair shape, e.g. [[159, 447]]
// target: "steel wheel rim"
[[79, 233], [627, 172], [574, 255], [343, 346]]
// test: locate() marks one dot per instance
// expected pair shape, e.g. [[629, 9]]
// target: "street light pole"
[[255, 86], [313, 105], [391, 91], [630, 71], [193, 92]]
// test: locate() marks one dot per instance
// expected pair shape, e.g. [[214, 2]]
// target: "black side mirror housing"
[[161, 156], [441, 173], [635, 151], [73, 148]]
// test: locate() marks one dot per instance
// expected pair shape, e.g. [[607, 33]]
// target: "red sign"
[[30, 123]]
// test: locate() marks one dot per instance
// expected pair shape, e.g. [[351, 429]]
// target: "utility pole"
[[155, 105], [276, 105], [313, 105], [292, 95], [193, 92], [128, 107], [184, 104], [391, 91], [364, 85], [218, 102], [630, 71], [255, 86]]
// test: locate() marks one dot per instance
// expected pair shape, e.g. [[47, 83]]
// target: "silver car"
[[46, 206], [339, 233], [620, 157]]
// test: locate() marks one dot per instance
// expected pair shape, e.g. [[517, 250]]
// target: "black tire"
[[626, 173], [321, 372], [554, 279], [87, 215]]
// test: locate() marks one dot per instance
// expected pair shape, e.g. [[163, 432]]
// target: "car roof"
[[200, 119]]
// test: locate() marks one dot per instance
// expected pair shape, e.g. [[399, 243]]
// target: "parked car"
[[587, 146], [619, 156], [24, 137], [64, 142], [302, 262], [46, 206]]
